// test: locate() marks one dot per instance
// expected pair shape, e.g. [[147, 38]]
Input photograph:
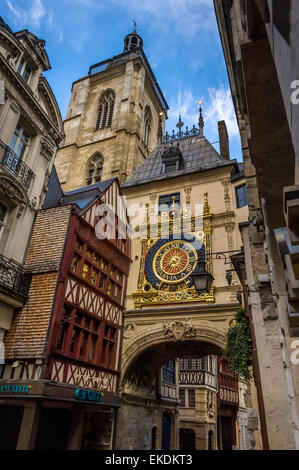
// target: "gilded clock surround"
[[179, 254]]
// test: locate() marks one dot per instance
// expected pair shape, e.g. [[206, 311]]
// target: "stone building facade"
[[167, 318], [198, 403], [30, 131], [259, 39], [114, 117]]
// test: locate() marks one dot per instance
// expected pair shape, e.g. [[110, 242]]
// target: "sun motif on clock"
[[174, 261]]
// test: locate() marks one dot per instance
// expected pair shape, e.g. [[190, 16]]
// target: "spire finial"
[[160, 129], [179, 125], [201, 122], [135, 25]]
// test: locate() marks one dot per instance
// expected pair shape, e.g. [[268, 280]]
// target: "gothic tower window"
[[105, 112], [95, 168], [147, 125]]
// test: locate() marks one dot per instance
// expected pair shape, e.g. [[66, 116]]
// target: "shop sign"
[[88, 395], [15, 388]]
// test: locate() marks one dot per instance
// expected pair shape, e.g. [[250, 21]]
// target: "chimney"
[[223, 140]]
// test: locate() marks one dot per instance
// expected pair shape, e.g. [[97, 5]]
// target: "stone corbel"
[[46, 149]]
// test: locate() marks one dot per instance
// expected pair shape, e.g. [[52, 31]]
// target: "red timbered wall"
[[228, 392], [86, 335]]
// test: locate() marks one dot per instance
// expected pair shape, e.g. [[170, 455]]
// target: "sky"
[[180, 39]]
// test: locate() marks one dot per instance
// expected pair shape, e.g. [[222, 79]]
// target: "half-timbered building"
[[227, 406], [60, 380]]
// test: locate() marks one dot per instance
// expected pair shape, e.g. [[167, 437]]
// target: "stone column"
[[29, 426]]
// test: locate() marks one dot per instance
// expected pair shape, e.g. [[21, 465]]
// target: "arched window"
[[147, 125], [105, 112], [95, 168]]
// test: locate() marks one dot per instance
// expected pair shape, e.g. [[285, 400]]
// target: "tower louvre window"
[[105, 112], [95, 168], [147, 125]]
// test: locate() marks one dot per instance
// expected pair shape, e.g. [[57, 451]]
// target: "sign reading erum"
[[15, 388]]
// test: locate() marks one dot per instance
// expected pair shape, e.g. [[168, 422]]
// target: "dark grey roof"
[[82, 197], [239, 174], [198, 154]]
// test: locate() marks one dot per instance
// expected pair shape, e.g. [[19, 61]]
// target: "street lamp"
[[201, 278]]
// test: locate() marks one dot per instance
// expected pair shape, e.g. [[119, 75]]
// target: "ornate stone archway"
[[145, 350], [136, 342]]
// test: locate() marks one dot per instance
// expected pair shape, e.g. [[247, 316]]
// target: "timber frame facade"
[[66, 343]]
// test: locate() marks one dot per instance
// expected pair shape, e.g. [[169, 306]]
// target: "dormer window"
[[24, 70], [169, 167], [172, 159]]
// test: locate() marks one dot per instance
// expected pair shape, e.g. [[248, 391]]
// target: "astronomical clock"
[[168, 261]]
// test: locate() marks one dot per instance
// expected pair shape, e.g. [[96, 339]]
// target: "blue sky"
[[181, 41]]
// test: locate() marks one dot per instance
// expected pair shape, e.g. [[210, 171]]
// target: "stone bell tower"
[[114, 118]]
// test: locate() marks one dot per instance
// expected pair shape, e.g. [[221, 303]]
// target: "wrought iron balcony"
[[197, 377], [14, 164], [13, 278]]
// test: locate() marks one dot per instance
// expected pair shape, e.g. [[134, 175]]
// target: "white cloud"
[[32, 16], [78, 42], [218, 106], [185, 17]]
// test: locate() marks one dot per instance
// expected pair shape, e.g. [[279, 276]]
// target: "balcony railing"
[[13, 278], [228, 395], [197, 377], [14, 164]]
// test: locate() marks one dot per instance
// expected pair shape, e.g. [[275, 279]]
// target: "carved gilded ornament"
[[170, 250]]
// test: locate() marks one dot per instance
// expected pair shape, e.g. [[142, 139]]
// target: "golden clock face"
[[174, 261]]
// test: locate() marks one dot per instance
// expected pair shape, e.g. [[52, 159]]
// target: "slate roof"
[[82, 197], [198, 154]]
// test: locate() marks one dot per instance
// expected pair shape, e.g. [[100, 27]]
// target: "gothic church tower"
[[114, 118]]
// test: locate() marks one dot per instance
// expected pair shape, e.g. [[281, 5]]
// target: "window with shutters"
[[105, 111]]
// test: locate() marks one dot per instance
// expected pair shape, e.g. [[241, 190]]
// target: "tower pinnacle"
[[132, 40], [201, 122]]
